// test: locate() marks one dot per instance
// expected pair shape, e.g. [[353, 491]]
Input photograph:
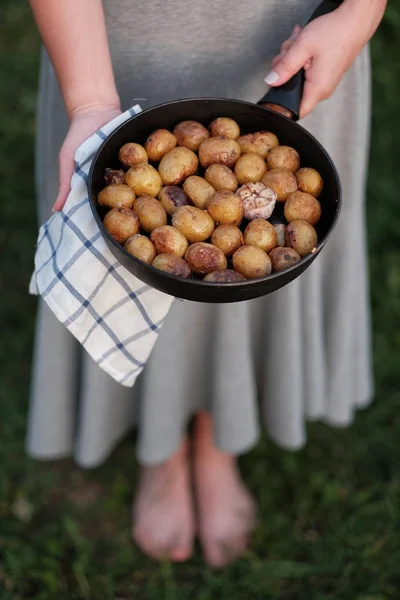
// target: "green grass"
[[330, 514]]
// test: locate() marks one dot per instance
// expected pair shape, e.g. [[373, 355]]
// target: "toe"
[[180, 548], [181, 554]]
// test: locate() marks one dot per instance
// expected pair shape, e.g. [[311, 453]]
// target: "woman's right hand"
[[84, 123]]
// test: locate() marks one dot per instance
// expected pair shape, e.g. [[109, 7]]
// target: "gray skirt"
[[302, 353]]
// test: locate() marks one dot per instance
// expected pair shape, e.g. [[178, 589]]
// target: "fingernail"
[[271, 78]]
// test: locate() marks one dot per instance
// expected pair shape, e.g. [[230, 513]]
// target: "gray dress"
[[300, 354]]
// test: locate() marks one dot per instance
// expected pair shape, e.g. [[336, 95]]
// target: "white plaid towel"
[[115, 316]]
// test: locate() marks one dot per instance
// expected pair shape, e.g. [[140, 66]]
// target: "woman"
[[301, 353]]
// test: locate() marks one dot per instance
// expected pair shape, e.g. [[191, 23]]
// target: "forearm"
[[75, 37], [365, 14]]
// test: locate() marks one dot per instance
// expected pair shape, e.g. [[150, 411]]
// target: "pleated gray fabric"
[[300, 354]]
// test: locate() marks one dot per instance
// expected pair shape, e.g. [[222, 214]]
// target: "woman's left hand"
[[325, 49]]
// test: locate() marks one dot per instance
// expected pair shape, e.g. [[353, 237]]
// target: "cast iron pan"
[[276, 112]]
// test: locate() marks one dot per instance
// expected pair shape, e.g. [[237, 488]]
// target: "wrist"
[[81, 101], [94, 107]]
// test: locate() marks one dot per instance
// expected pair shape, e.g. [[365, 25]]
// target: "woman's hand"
[[325, 49], [84, 123]]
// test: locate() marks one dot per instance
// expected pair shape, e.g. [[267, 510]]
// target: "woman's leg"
[[226, 510], [163, 512]]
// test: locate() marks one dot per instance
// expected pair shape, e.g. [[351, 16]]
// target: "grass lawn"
[[330, 514]]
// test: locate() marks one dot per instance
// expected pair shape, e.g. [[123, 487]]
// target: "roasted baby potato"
[[151, 213], [121, 224], [224, 276], [262, 234], [144, 180], [302, 206], [141, 247], [283, 157], [252, 262], [114, 176], [227, 238], [195, 224], [204, 258], [198, 190], [309, 181], [159, 143], [177, 165], [116, 195], [221, 150], [172, 197], [168, 240], [283, 258], [221, 178], [282, 181], [250, 168], [190, 134], [260, 143], [225, 207], [132, 154], [225, 127], [172, 264], [302, 237]]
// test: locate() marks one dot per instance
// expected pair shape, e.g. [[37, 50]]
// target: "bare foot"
[[227, 512], [163, 512]]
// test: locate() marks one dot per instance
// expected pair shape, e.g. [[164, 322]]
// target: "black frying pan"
[[276, 112]]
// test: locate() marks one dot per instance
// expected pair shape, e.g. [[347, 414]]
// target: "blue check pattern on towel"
[[115, 316]]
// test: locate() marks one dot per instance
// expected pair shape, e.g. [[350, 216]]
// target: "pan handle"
[[286, 98]]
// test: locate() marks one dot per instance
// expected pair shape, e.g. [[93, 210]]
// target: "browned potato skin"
[[283, 157], [221, 178], [195, 224], [121, 224], [282, 181], [309, 181], [116, 195], [302, 206], [177, 165], [198, 190], [227, 238], [132, 154], [262, 234], [225, 276], [159, 143], [283, 258], [252, 262], [151, 213], [114, 176], [221, 150], [204, 258], [172, 264], [190, 134], [226, 208], [223, 126], [168, 240], [260, 143], [250, 168], [141, 247], [144, 180], [172, 197], [302, 237]]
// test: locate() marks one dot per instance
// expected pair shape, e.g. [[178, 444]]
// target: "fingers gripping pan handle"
[[286, 99]]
